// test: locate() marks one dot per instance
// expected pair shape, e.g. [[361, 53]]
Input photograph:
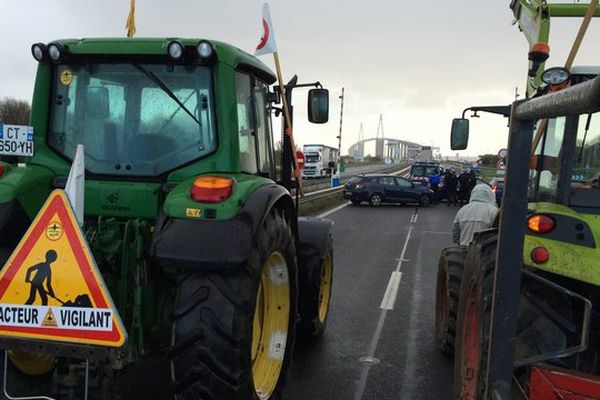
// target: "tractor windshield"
[[134, 120], [583, 183]]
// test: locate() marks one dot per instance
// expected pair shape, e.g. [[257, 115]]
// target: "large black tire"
[[375, 200], [473, 319], [424, 200], [215, 322], [314, 307], [449, 276]]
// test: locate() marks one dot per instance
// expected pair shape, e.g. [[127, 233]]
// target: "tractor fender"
[[314, 235], [218, 244]]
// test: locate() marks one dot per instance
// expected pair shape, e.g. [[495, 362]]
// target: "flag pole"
[[288, 122], [130, 24]]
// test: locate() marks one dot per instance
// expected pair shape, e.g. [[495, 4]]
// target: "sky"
[[417, 63]]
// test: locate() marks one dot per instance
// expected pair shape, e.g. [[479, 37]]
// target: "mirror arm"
[[501, 110]]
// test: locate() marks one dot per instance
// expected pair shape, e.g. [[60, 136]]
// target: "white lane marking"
[[364, 374], [328, 212], [402, 258], [389, 298], [438, 233]]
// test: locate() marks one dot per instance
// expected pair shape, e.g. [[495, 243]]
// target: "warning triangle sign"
[[49, 319], [51, 288]]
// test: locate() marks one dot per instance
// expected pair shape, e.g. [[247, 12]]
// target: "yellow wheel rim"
[[325, 288], [270, 325], [31, 363]]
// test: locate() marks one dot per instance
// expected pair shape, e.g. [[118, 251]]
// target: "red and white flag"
[[267, 44]]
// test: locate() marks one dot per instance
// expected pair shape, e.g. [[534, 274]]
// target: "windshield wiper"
[[152, 76]]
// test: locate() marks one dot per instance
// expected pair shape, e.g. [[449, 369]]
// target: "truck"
[[426, 154], [192, 227], [519, 307], [320, 160]]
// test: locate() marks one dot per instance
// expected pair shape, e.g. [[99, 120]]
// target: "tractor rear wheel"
[[233, 331], [449, 276], [473, 320], [316, 289]]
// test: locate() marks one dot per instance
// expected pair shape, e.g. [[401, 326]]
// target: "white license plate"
[[16, 140]]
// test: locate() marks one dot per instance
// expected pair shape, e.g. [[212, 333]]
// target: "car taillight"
[[211, 189], [540, 255], [1, 170], [540, 223]]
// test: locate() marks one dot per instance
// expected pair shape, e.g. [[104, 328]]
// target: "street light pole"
[[339, 157]]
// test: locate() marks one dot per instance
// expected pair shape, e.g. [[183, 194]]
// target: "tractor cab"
[[564, 167]]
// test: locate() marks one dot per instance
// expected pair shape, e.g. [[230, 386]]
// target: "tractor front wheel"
[[233, 331], [473, 320], [316, 294], [449, 277]]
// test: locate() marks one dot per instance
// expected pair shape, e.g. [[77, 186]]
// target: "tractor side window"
[[545, 163], [586, 169], [246, 129], [263, 130]]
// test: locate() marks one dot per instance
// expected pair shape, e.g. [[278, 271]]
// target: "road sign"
[[16, 140], [503, 153], [500, 165], [51, 288], [300, 159]]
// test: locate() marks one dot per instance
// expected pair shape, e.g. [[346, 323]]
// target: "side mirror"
[[459, 136], [318, 106], [97, 102]]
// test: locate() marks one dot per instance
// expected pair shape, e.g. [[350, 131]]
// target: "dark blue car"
[[382, 188]]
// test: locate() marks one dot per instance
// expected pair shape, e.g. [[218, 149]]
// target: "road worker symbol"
[[51, 288], [41, 273]]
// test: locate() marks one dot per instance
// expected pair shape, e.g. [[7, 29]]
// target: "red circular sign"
[[300, 159]]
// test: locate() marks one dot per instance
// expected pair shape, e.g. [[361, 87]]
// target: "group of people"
[[481, 208], [457, 189]]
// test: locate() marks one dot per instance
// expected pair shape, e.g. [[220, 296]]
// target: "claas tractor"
[[188, 215], [519, 307]]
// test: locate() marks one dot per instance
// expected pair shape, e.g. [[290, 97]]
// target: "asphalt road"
[[376, 347]]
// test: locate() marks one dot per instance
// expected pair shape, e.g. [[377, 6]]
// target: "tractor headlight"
[[38, 50], [555, 76], [55, 51], [205, 50], [175, 50]]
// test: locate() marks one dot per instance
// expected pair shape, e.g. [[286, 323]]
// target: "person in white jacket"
[[476, 216]]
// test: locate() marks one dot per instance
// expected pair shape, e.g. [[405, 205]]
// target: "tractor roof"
[[226, 53]]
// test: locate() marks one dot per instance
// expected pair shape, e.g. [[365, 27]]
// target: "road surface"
[[377, 347]]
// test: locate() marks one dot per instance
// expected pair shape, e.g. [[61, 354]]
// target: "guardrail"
[[311, 185], [323, 193]]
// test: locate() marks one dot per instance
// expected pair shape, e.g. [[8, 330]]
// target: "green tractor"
[[541, 341], [188, 215]]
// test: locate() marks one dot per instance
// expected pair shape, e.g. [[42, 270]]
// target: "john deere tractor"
[[520, 306], [188, 217]]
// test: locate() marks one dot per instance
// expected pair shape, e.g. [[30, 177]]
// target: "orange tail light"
[[211, 189]]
